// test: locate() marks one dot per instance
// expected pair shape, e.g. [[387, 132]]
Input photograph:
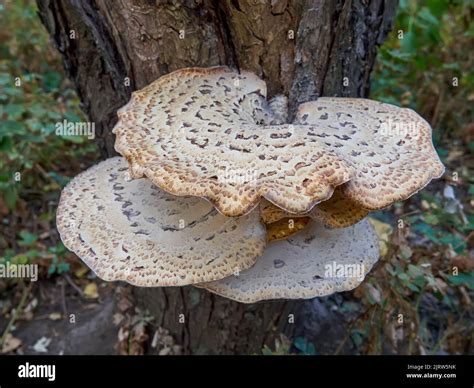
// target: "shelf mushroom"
[[133, 231], [285, 201], [316, 262], [199, 132]]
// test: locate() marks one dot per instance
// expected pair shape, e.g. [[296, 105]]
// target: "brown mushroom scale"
[[211, 134]]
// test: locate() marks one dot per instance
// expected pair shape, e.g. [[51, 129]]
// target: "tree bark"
[[303, 49]]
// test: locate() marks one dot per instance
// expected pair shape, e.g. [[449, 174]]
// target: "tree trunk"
[[303, 49]]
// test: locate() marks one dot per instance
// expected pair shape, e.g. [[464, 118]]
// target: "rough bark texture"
[[303, 49]]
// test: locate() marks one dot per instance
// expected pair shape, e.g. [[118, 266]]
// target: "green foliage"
[[441, 227], [34, 96], [426, 64], [35, 163], [428, 47], [304, 346]]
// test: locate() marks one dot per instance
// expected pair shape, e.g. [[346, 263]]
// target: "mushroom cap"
[[389, 147], [337, 212], [207, 132], [133, 231], [306, 265]]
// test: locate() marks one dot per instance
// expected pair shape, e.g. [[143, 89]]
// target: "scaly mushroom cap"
[[209, 133], [133, 231], [336, 212], [390, 148], [316, 262]]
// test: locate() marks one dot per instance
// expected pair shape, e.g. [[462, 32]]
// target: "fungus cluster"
[[216, 189]]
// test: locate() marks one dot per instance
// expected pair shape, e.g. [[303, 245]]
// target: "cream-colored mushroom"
[[211, 133], [205, 132], [315, 262], [133, 231], [390, 148]]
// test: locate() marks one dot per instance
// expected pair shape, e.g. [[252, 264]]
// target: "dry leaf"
[[90, 291], [11, 343], [41, 346], [81, 272], [383, 230], [117, 319], [55, 316], [464, 263]]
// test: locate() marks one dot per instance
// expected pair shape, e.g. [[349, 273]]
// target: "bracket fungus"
[[316, 262], [218, 190], [205, 132], [131, 230]]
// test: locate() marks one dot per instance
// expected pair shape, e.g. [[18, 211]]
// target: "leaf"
[[90, 291], [373, 294], [63, 267], [14, 111], [303, 345], [409, 43], [10, 344], [10, 196], [383, 230], [426, 15], [51, 80], [27, 238], [41, 346], [81, 272], [9, 127], [431, 219], [357, 337], [55, 316], [466, 279]]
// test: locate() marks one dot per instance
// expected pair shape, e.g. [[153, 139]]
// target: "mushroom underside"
[[337, 212]]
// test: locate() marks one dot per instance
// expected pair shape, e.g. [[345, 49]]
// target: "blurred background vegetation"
[[418, 299]]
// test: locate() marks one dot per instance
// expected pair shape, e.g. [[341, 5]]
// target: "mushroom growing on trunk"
[[210, 133]]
